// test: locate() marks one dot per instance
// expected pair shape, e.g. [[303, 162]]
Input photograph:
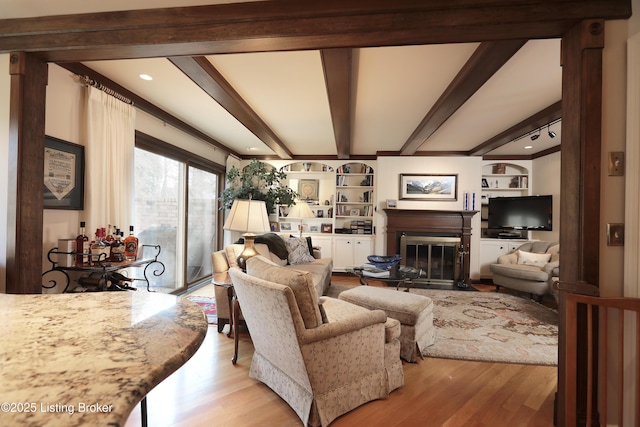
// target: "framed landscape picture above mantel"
[[415, 186], [63, 174]]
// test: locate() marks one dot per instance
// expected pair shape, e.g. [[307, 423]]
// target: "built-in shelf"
[[501, 179]]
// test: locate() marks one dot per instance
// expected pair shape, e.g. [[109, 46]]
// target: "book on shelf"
[[361, 227], [524, 182]]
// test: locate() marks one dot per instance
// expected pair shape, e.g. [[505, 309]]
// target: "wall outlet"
[[616, 163]]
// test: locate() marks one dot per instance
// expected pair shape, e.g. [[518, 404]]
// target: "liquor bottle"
[[109, 237], [98, 248], [82, 246], [107, 244], [117, 248], [131, 246]]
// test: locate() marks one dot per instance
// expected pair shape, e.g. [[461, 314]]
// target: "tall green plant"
[[258, 181]]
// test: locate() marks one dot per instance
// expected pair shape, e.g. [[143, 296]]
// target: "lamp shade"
[[248, 216], [300, 210]]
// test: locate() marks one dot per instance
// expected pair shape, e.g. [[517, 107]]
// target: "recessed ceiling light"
[[145, 77], [251, 148], [528, 147]]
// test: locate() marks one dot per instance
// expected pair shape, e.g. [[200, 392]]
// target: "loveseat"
[[323, 356], [531, 268], [298, 253]]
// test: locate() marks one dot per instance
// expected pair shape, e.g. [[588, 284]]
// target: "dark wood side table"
[[224, 280]]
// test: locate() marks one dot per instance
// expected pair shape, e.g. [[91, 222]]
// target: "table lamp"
[[249, 217], [300, 210]]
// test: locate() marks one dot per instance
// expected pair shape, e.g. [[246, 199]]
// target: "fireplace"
[[437, 258], [442, 238]]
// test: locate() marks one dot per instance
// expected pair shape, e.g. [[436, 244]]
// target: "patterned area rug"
[[490, 327], [208, 305]]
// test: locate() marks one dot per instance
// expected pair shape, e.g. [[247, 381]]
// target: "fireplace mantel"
[[408, 221]]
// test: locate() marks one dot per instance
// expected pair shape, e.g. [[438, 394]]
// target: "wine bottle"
[[117, 248], [131, 246], [82, 246]]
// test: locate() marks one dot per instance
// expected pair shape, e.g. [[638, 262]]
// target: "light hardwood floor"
[[209, 391]]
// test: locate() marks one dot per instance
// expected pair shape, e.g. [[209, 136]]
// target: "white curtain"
[[109, 161]]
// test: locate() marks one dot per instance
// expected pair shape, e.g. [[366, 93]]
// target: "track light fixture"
[[535, 136], [537, 132]]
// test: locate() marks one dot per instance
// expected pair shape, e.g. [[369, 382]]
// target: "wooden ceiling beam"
[[144, 105], [337, 66], [285, 25], [488, 58], [202, 72], [539, 119]]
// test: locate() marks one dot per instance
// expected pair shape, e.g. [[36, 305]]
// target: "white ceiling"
[[393, 89]]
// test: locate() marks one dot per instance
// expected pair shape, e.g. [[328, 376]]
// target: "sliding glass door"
[[201, 223], [176, 208]]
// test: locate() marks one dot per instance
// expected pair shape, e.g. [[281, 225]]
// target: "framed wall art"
[[308, 189], [285, 226], [326, 228], [429, 187], [63, 174]]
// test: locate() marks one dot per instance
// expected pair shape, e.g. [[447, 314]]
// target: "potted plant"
[[258, 181]]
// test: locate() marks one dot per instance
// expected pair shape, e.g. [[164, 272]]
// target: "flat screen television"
[[521, 213]]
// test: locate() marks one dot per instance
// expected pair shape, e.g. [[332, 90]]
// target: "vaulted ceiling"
[[467, 98]]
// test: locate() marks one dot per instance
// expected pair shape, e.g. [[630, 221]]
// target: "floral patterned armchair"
[[325, 356]]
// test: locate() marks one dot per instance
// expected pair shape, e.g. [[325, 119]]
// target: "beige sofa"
[[323, 356], [531, 268], [320, 270]]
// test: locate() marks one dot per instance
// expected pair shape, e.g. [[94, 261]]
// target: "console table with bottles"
[[100, 268]]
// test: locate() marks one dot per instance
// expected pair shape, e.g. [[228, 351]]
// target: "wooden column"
[[26, 169], [580, 180]]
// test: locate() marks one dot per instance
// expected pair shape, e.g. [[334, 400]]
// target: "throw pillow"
[[298, 250], [310, 245], [529, 258], [275, 243], [300, 283]]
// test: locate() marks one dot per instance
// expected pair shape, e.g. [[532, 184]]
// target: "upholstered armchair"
[[324, 357], [531, 268]]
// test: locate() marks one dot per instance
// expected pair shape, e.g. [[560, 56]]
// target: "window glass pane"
[[201, 230], [158, 203]]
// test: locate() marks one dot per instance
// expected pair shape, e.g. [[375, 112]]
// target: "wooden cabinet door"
[[489, 253]]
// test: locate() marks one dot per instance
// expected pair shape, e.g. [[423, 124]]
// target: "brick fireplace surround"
[[430, 223]]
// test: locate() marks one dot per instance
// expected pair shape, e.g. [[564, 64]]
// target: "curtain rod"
[[90, 82]]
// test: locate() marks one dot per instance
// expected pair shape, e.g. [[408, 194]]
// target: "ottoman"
[[414, 312]]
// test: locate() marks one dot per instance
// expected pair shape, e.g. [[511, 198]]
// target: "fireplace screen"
[[438, 258]]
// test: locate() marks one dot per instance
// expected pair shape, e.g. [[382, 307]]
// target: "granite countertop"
[[88, 359]]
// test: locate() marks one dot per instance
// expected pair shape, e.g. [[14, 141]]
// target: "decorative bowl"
[[384, 262]]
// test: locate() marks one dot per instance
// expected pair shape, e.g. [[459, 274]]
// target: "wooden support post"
[[580, 177], [26, 169]]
